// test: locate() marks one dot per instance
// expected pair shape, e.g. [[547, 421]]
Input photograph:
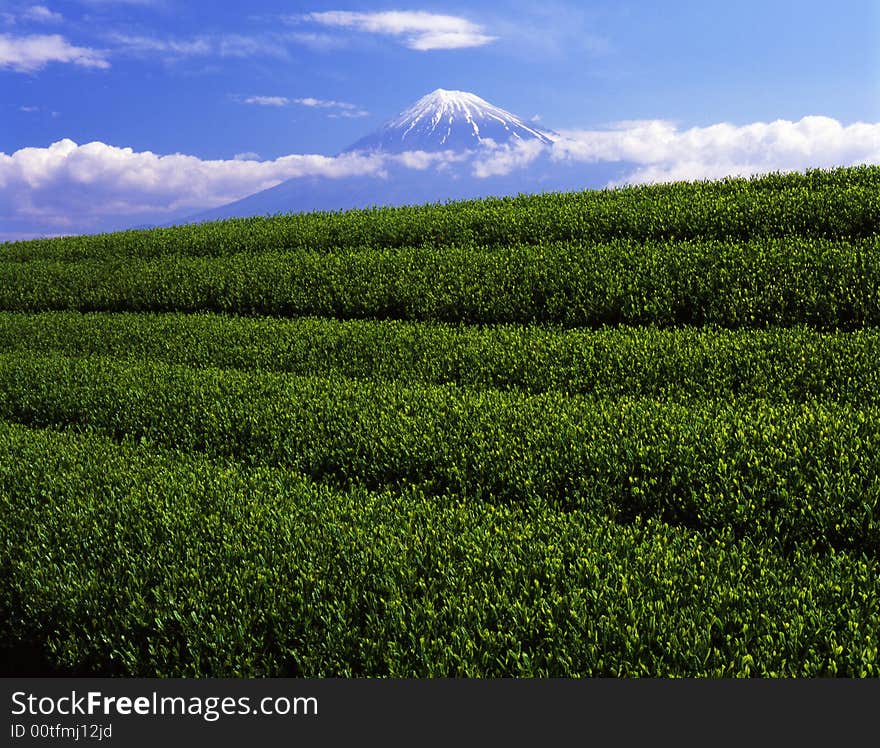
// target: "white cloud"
[[342, 109], [267, 100], [146, 44], [664, 153], [324, 103], [31, 14], [70, 186], [346, 114], [29, 109], [241, 46], [224, 45], [77, 188], [659, 151], [422, 160], [448, 40], [419, 30], [41, 14], [317, 41], [502, 160], [28, 54]]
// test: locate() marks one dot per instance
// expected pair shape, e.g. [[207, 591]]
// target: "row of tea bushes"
[[795, 364], [797, 473], [794, 281], [119, 561]]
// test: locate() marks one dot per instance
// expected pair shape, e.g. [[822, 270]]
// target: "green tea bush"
[[799, 473], [821, 283], [632, 432], [796, 364], [124, 562]]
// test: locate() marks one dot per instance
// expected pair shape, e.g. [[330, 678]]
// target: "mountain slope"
[[454, 123], [402, 186]]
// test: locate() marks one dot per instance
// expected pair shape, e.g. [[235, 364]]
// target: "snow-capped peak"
[[449, 120]]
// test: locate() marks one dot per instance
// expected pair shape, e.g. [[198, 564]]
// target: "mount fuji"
[[449, 120], [449, 145]]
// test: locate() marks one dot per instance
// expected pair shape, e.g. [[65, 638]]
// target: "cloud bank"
[[70, 188], [664, 153]]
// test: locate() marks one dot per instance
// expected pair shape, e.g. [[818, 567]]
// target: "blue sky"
[[266, 80]]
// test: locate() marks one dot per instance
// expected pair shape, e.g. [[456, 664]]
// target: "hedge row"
[[795, 364], [820, 283], [118, 561], [796, 473]]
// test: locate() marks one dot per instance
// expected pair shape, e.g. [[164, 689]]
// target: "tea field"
[[632, 432]]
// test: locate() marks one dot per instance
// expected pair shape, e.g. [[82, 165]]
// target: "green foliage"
[[620, 433], [133, 563], [803, 473], [796, 364], [829, 284]]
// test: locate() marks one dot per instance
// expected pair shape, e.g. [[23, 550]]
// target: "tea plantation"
[[632, 432]]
